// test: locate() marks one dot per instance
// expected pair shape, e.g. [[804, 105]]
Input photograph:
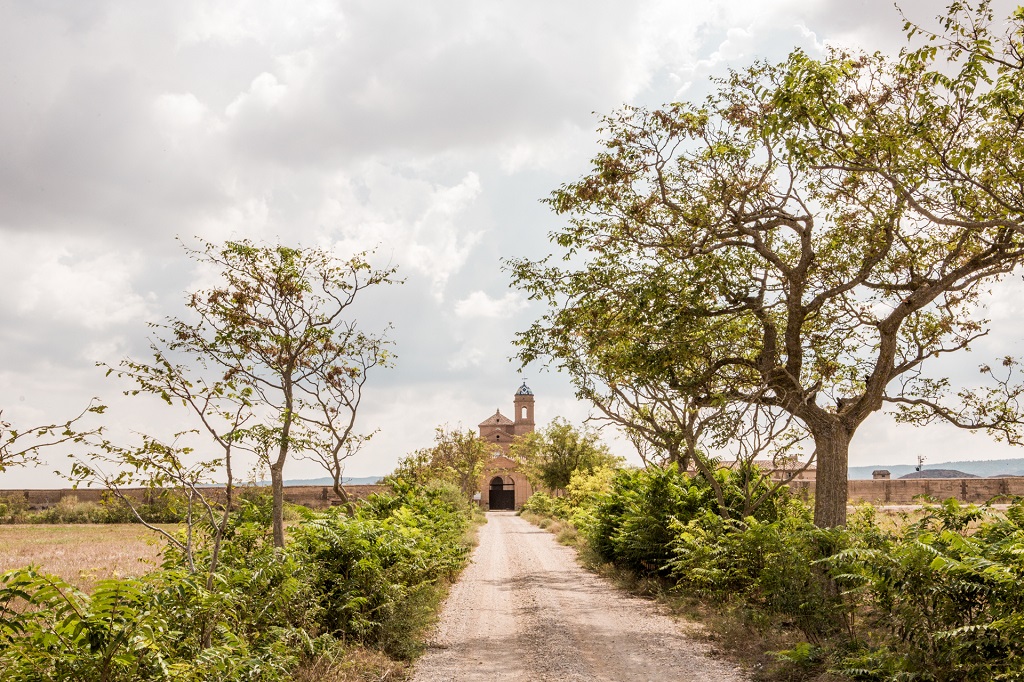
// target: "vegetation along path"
[[525, 610]]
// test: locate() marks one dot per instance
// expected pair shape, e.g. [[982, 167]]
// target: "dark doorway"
[[502, 495]]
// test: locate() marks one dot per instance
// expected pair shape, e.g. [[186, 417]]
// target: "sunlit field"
[[81, 553]]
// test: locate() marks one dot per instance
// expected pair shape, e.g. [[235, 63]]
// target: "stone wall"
[[313, 496], [903, 491]]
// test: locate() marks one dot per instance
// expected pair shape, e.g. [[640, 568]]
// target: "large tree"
[[809, 239], [278, 322]]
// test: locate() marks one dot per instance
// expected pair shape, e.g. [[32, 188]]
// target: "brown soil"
[[525, 610]]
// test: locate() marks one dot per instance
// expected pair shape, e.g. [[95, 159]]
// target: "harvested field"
[[81, 553]]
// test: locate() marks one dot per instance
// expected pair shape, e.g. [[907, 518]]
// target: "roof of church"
[[496, 418], [524, 390]]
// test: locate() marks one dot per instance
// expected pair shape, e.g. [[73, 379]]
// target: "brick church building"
[[502, 485]]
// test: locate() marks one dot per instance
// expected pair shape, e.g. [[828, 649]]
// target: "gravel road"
[[525, 610]]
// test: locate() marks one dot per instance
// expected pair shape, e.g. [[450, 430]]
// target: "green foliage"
[[277, 326], [946, 593], [130, 629], [634, 523], [935, 600], [162, 506], [770, 568], [377, 575], [553, 454], [808, 240], [457, 457], [542, 504], [13, 508], [373, 579]]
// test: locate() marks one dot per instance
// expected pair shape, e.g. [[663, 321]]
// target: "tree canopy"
[[554, 453], [279, 324], [807, 240], [457, 457]]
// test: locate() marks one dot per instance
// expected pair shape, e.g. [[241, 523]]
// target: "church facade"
[[503, 485]]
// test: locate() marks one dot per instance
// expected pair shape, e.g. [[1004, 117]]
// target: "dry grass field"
[[81, 553]]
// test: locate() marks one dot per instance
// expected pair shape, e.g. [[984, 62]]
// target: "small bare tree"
[[330, 406], [223, 409]]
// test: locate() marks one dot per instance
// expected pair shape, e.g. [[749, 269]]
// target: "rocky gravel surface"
[[525, 610]]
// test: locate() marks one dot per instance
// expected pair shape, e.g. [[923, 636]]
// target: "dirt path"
[[524, 610]]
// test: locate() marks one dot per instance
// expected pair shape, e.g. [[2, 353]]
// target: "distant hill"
[[982, 468], [327, 480], [938, 473]]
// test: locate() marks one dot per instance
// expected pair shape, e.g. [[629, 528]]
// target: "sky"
[[427, 131]]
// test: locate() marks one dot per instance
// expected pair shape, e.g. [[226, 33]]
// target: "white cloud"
[[74, 283], [466, 358], [429, 129], [419, 225], [480, 305], [264, 93], [178, 110]]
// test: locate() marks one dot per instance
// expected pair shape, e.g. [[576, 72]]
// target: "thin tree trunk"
[[277, 488], [339, 490], [832, 444]]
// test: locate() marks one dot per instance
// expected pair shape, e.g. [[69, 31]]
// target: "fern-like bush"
[[773, 569], [373, 579], [947, 596], [377, 575], [634, 523]]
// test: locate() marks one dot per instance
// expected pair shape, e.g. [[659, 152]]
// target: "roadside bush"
[[378, 576], [936, 600], [264, 614], [635, 522], [542, 504], [772, 569], [131, 629], [945, 596]]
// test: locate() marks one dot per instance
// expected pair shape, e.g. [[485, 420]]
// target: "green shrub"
[[377, 576], [542, 504], [161, 506], [13, 508], [946, 594], [263, 614], [772, 568], [127, 630]]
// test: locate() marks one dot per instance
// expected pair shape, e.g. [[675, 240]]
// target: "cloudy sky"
[[427, 129]]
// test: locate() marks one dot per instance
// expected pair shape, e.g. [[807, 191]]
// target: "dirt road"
[[524, 610]]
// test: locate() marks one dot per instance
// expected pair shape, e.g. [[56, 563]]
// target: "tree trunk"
[[339, 490], [277, 488], [832, 445]]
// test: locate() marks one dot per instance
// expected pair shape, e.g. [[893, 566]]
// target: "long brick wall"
[[880, 492], [313, 496], [903, 491]]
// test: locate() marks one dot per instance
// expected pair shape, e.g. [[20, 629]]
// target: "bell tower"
[[524, 411]]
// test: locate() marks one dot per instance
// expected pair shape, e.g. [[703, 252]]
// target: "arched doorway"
[[502, 495]]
